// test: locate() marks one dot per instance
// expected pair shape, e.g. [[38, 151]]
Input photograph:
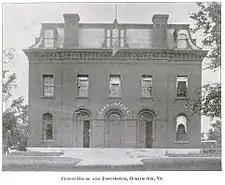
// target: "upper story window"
[[146, 86], [48, 85], [82, 85], [115, 36], [49, 38], [115, 86], [182, 86]]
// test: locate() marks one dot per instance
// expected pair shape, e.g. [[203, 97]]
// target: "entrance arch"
[[114, 128], [145, 125]]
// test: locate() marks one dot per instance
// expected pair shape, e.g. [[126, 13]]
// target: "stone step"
[[104, 161]]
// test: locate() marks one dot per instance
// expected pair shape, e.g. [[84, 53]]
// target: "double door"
[[114, 134]]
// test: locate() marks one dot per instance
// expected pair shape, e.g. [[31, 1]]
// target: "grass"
[[36, 154], [47, 163], [38, 163], [183, 164]]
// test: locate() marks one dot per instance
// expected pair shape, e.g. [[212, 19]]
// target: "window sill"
[[47, 97], [182, 142], [114, 97], [181, 98], [47, 141], [147, 97], [82, 97]]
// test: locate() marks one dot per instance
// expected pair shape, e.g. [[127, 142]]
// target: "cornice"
[[122, 54]]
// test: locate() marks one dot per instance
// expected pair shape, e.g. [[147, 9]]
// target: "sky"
[[22, 23]]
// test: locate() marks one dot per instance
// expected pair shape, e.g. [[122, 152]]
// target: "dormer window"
[[50, 38], [115, 35]]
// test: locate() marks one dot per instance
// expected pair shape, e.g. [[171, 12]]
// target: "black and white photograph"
[[111, 87]]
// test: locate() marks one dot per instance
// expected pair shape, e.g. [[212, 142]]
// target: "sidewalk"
[[112, 156]]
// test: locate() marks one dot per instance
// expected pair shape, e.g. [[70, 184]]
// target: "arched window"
[[181, 128], [47, 127], [146, 117], [114, 116]]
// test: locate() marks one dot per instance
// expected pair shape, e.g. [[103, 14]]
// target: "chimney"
[[160, 31], [71, 30]]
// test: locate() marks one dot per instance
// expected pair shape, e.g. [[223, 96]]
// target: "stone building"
[[113, 85]]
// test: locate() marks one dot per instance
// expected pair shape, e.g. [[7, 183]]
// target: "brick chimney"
[[160, 31], [71, 30]]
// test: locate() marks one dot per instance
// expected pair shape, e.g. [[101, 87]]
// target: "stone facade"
[[159, 50]]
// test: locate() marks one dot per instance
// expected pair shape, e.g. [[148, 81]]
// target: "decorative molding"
[[113, 105], [122, 54]]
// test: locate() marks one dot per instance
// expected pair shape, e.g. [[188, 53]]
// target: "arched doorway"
[[145, 129], [114, 129], [83, 129]]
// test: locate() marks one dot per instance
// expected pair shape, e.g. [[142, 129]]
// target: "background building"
[[113, 85]]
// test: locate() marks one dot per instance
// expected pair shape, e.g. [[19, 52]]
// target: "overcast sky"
[[22, 23]]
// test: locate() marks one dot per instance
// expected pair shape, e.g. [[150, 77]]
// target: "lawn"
[[56, 163], [183, 164]]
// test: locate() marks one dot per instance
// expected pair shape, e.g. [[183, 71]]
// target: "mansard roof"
[[138, 36]]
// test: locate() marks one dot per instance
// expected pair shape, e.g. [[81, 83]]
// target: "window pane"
[[121, 42], [146, 117], [180, 133], [83, 92], [49, 33], [182, 78], [48, 91], [82, 84], [181, 120], [115, 32], [48, 85], [108, 33], [48, 80], [121, 33], [181, 89], [115, 85], [49, 38], [114, 116], [146, 86], [47, 116], [115, 79], [49, 43], [49, 131], [108, 42], [115, 90], [181, 127], [115, 42], [182, 84]]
